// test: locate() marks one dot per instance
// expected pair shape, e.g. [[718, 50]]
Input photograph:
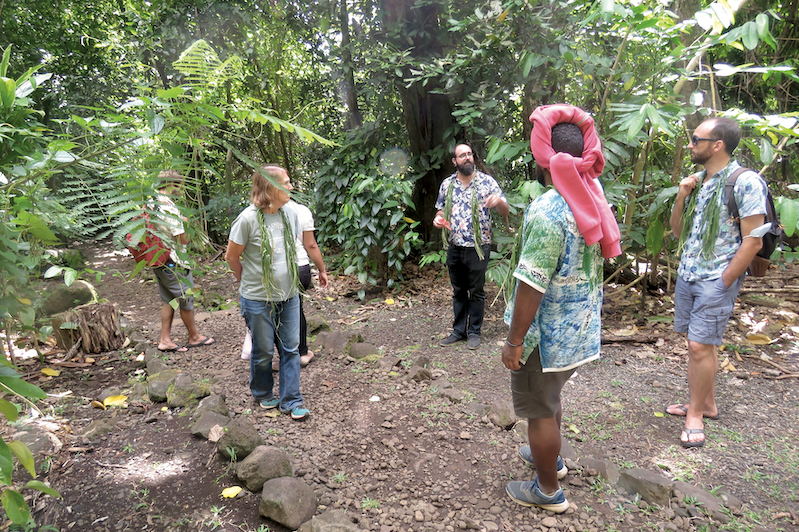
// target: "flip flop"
[[208, 341], [684, 410], [178, 349], [690, 444]]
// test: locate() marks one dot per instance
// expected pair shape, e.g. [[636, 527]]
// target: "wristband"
[[513, 345]]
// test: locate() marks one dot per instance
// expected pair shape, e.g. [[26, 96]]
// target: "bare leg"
[[703, 364], [167, 314], [188, 320], [544, 437]]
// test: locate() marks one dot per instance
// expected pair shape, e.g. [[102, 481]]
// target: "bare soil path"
[[397, 455]]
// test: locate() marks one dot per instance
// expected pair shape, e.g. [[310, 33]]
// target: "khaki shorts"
[[174, 283], [537, 394]]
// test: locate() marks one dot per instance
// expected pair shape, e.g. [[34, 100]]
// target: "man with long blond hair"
[[263, 256]]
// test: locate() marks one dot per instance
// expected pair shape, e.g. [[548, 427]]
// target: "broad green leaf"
[[7, 92], [15, 506], [70, 275], [8, 410], [44, 488], [28, 316], [52, 271], [789, 215], [6, 463], [19, 386], [636, 124], [157, 124], [750, 35], [24, 456], [654, 237], [766, 152], [6, 59]]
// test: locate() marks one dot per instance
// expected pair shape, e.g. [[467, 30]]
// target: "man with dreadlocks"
[[463, 204], [262, 253], [555, 312], [715, 256]]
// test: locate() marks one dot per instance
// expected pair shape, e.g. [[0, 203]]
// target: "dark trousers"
[[467, 273]]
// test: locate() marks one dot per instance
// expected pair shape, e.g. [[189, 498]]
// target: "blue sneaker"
[[269, 404], [527, 457], [298, 413], [529, 494]]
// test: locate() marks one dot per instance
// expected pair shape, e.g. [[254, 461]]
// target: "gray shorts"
[[174, 283], [537, 394], [702, 308]]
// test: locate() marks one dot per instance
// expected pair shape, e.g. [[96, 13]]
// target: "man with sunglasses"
[[715, 256], [463, 198]]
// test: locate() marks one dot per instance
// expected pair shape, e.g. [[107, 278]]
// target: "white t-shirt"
[[306, 223]]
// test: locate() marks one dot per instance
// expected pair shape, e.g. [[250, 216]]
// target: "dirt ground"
[[398, 456]]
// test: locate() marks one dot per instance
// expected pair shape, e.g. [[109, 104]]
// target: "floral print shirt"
[[750, 195], [461, 217], [554, 260]]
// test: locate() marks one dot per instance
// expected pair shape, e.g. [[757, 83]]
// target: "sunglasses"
[[695, 140]]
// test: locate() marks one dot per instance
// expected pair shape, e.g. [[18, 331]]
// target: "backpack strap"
[[729, 193]]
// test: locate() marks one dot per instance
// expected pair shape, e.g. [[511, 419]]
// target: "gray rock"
[[315, 323], [159, 383], [650, 486], [241, 436], [708, 503], [502, 414], [288, 501], [419, 374], [334, 342], [476, 409], [456, 396], [155, 365], [264, 463], [605, 468], [65, 297], [97, 428], [37, 440], [439, 384], [330, 521], [108, 392], [422, 361], [186, 391], [208, 420], [212, 403], [388, 363], [567, 452], [360, 350]]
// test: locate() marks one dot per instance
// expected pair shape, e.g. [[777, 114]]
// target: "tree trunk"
[[354, 119], [427, 115], [96, 325]]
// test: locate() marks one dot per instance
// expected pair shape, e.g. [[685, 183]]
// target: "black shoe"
[[452, 339], [474, 341]]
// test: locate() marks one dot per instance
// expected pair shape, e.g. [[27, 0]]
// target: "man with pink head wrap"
[[555, 313]]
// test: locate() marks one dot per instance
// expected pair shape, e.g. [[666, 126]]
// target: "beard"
[[700, 157], [466, 168]]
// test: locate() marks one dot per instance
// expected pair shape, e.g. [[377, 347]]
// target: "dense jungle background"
[[361, 101]]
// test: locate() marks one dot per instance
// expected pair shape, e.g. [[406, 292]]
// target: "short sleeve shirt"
[[306, 224], [246, 231], [554, 260], [460, 219], [750, 195]]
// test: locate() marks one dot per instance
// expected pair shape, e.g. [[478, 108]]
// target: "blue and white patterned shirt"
[[554, 260], [750, 196], [460, 219]]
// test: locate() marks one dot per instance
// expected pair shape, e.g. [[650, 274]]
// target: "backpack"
[[151, 249], [762, 260]]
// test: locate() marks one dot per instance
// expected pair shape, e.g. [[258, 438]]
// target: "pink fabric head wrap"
[[575, 177]]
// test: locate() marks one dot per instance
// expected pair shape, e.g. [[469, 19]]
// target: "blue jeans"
[[274, 322], [467, 273]]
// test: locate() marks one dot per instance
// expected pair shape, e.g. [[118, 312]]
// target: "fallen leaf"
[[89, 360], [409, 220], [329, 298], [115, 400], [98, 404], [231, 492], [625, 332], [573, 428], [759, 339], [216, 432], [726, 365], [389, 301], [126, 343], [659, 414], [50, 372], [273, 413]]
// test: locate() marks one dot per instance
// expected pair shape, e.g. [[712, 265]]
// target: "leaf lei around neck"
[[267, 250], [709, 221], [478, 239]]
